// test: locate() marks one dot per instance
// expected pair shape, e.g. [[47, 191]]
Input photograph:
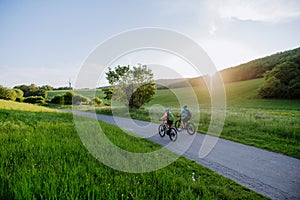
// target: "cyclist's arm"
[[163, 117]]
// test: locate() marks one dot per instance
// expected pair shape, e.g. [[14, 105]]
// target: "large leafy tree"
[[132, 86], [283, 81]]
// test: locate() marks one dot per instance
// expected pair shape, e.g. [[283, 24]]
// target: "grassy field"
[[42, 157], [270, 124], [85, 92]]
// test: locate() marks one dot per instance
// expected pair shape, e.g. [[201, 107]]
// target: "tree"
[[97, 101], [273, 88], [68, 97], [283, 81], [108, 91], [46, 87], [133, 87], [7, 94], [114, 77], [19, 95], [33, 90]]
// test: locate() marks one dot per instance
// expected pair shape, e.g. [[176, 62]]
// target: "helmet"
[[167, 110]]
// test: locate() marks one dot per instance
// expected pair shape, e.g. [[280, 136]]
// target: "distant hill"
[[180, 82], [172, 83], [256, 68], [251, 70]]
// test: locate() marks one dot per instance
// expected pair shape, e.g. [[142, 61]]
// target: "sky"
[[46, 42]]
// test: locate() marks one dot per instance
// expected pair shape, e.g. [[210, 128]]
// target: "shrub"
[[7, 94], [67, 98], [97, 101], [19, 95], [20, 99], [34, 99], [79, 99], [58, 99], [283, 81], [33, 90]]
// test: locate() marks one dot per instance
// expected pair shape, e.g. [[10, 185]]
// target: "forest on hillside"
[[258, 67], [281, 72]]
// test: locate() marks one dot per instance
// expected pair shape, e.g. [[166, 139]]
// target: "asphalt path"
[[274, 175]]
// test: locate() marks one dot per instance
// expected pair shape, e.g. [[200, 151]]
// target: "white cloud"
[[258, 10]]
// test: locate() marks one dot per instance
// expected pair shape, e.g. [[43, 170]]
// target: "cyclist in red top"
[[169, 117]]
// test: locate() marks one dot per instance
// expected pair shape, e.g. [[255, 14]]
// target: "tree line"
[[281, 72], [25, 93], [133, 86]]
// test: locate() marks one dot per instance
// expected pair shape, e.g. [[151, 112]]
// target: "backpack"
[[171, 116], [189, 113]]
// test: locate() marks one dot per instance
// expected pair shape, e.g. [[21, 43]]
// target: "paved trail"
[[271, 174]]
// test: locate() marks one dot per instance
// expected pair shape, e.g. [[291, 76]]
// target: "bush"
[[33, 90], [7, 94], [58, 99], [19, 95], [34, 99], [97, 101], [283, 81], [79, 99], [67, 98], [20, 99]]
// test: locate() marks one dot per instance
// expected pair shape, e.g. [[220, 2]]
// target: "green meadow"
[[272, 124], [42, 157]]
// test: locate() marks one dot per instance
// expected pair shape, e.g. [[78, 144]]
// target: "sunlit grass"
[[9, 105]]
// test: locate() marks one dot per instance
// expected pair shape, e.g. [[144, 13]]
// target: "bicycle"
[[190, 127], [163, 130]]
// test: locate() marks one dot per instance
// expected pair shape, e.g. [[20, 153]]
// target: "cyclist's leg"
[[170, 125], [187, 119], [184, 122]]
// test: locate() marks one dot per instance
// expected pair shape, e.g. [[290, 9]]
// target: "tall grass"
[[42, 157]]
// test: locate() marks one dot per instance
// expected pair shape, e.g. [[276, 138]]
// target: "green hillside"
[[256, 68], [247, 71], [238, 94]]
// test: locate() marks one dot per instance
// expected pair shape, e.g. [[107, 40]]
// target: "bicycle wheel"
[[190, 127], [161, 130], [173, 135], [177, 125]]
